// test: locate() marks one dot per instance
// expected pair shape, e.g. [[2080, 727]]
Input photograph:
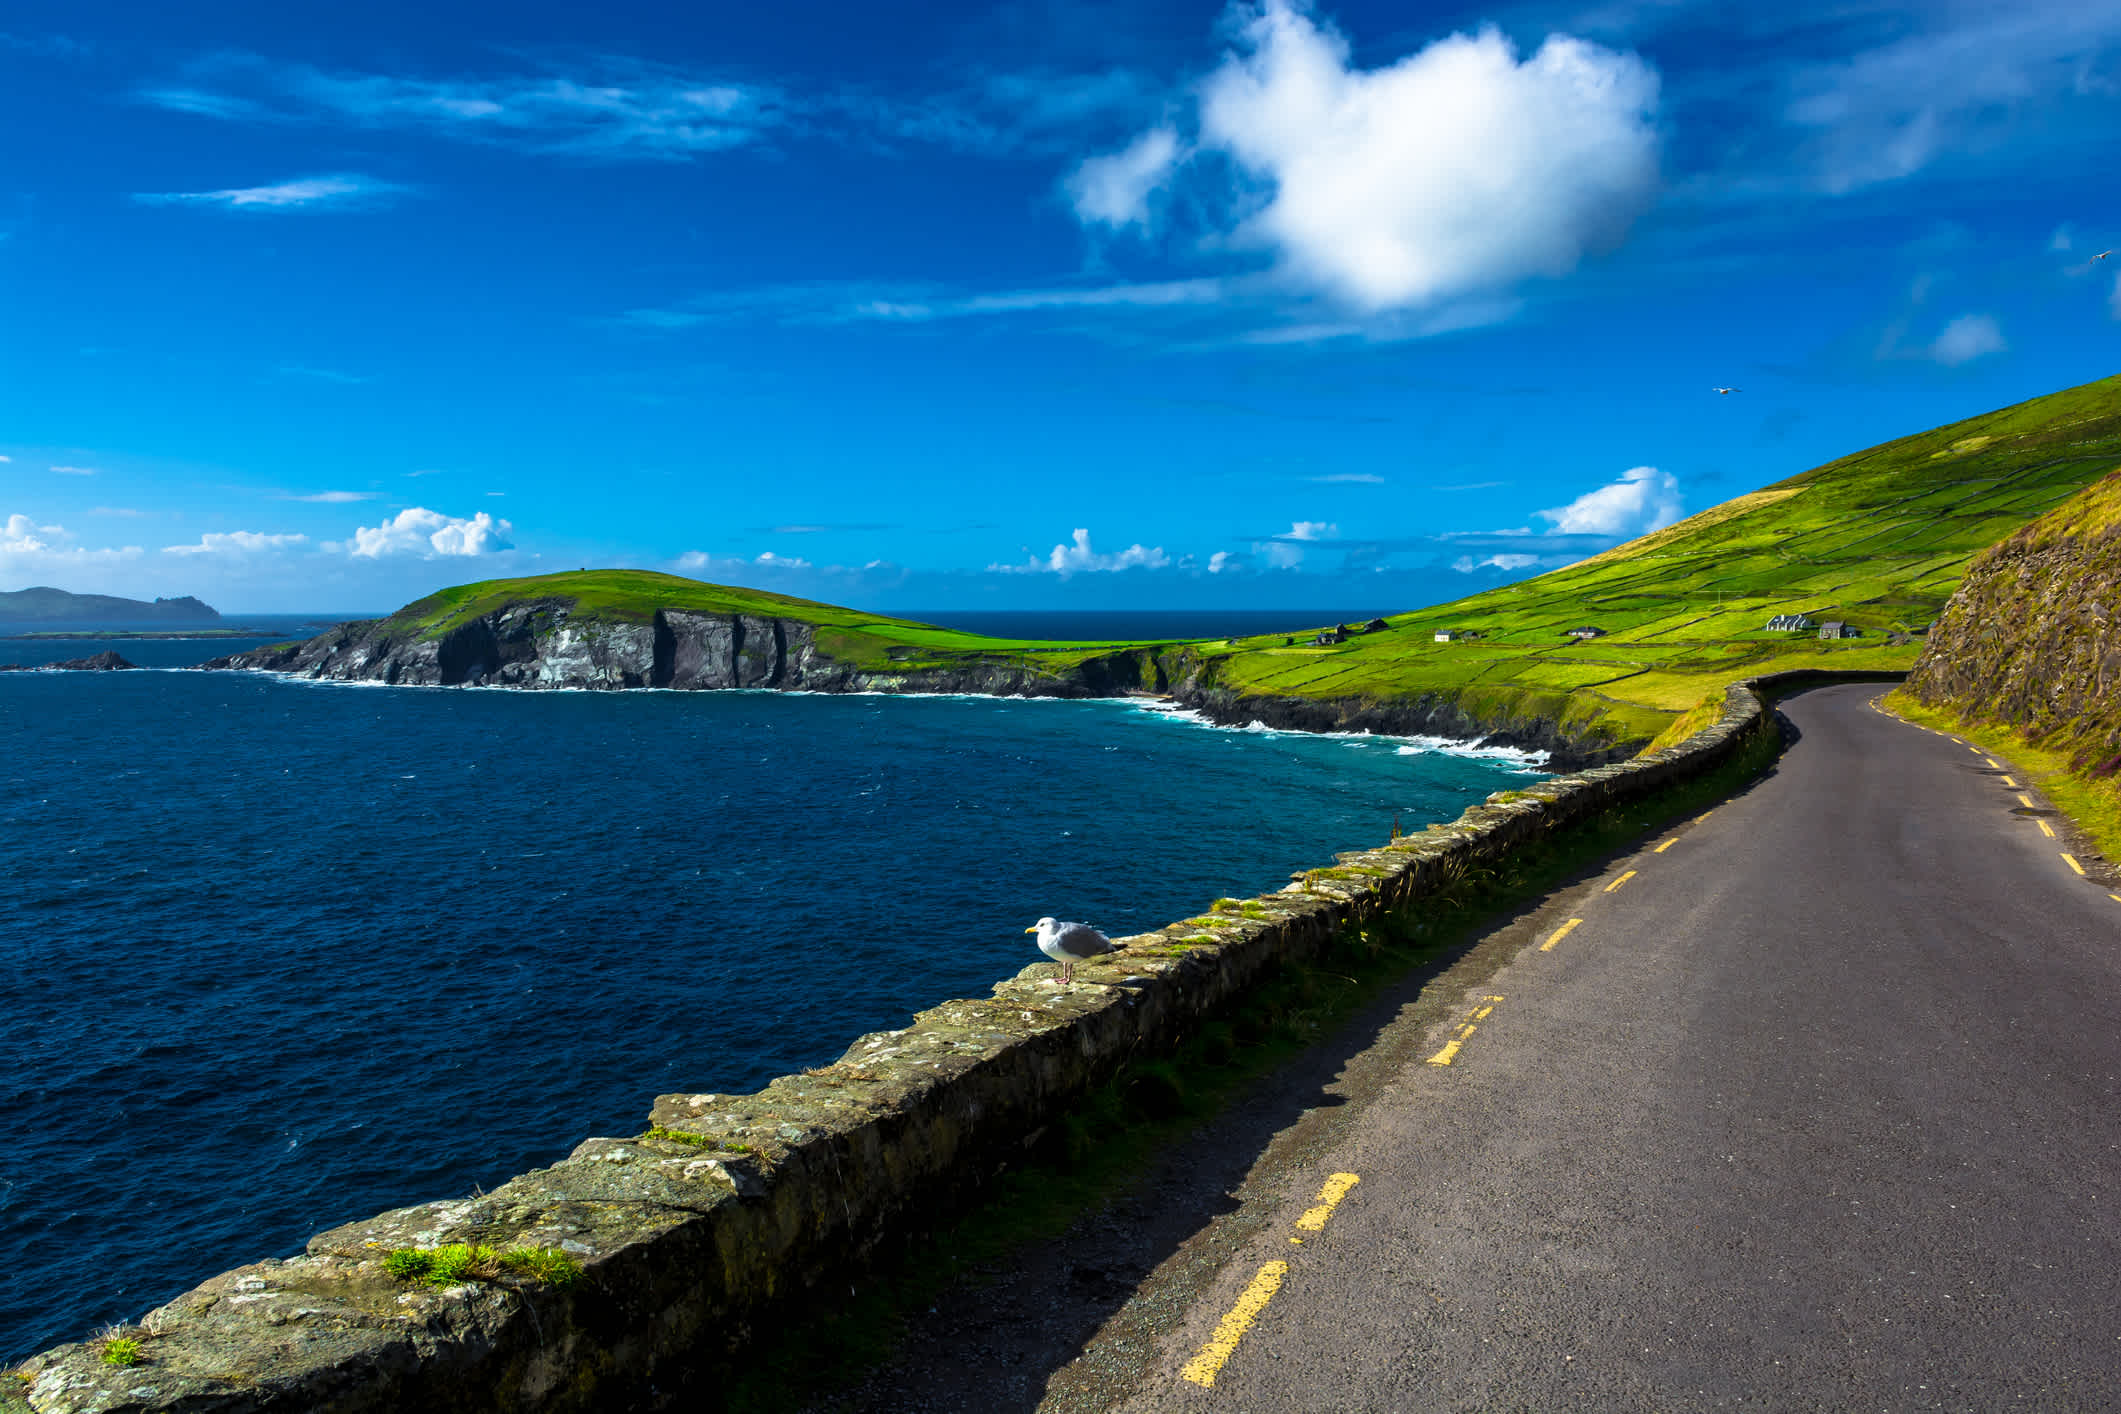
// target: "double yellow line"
[[1204, 1367]]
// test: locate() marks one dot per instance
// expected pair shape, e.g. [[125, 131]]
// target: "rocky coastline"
[[541, 644]]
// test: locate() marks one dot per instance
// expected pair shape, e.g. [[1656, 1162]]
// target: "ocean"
[[276, 955]]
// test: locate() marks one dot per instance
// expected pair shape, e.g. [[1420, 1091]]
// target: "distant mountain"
[[56, 606]]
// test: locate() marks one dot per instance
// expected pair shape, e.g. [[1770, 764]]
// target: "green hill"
[[1879, 540]]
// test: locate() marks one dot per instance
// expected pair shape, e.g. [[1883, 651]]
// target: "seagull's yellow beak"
[[1032, 929]]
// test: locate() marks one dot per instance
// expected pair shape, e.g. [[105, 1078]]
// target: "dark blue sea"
[[277, 955]]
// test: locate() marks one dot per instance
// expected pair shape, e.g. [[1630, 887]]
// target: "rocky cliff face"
[[2032, 639], [542, 644]]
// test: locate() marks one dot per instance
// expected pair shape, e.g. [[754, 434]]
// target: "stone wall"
[[733, 1206]]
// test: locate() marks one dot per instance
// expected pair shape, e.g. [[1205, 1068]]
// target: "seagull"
[[2102, 255], [1730, 390], [1069, 943]]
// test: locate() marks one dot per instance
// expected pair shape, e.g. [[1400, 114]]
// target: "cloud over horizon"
[[1077, 557], [1641, 500], [339, 190]]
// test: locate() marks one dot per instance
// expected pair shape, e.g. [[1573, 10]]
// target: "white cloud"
[[1454, 173], [1359, 478], [1967, 338], [784, 562], [1642, 500], [1466, 564], [235, 542], [1114, 190], [24, 545], [694, 560], [1313, 530], [419, 531], [75, 470], [1218, 562], [6, 459], [335, 498], [1077, 557], [341, 189], [21, 535]]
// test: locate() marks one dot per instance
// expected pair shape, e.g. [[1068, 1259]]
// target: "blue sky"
[[1023, 305]]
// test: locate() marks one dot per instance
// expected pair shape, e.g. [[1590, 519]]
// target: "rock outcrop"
[[107, 661], [2032, 639]]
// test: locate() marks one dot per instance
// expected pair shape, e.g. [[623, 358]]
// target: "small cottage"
[[1791, 623], [1587, 631], [1328, 636], [1834, 628], [1376, 626], [1456, 635]]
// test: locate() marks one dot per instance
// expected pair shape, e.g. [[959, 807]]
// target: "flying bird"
[[1070, 943], [2102, 255], [1730, 390]]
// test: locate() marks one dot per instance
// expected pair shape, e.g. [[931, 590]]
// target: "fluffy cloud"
[[235, 542], [1967, 338], [1457, 172], [1114, 190], [25, 544], [1313, 530], [429, 534], [21, 537], [1642, 500], [341, 189], [1077, 557]]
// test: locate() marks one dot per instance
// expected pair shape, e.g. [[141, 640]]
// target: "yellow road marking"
[[1466, 1029], [1666, 845], [2026, 801], [1559, 934], [1619, 881], [2009, 782], [1314, 1219], [2044, 829], [1993, 762], [2115, 897], [1203, 1368], [2071, 860]]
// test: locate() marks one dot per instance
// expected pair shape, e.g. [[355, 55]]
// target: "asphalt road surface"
[[1815, 1104]]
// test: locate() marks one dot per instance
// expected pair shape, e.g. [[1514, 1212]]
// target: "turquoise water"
[[276, 955]]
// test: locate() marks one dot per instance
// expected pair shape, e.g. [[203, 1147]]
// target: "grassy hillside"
[[1879, 539]]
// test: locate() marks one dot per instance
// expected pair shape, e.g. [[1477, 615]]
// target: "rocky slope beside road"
[[2031, 640]]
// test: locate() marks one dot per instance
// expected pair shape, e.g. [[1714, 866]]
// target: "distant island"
[[44, 605]]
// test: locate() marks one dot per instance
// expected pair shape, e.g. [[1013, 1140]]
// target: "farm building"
[[1834, 628], [1456, 635], [1793, 623], [1587, 631]]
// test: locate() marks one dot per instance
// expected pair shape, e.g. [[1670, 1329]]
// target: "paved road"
[[1819, 1109]]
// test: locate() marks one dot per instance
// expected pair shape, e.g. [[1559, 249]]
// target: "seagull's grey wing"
[[1082, 940]]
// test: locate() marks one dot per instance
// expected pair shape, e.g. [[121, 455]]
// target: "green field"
[[1878, 540]]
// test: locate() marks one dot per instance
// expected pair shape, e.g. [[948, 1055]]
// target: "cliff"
[[2030, 640]]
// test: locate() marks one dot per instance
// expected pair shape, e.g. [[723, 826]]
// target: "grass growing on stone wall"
[[2092, 805], [457, 1262], [1113, 1137]]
